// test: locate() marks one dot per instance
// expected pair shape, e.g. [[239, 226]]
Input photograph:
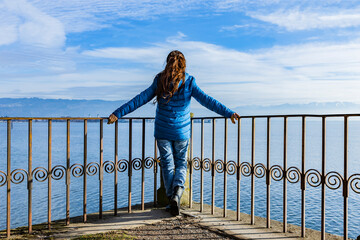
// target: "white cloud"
[[97, 14], [23, 22], [61, 85], [294, 20], [234, 27], [282, 74], [145, 55], [292, 74], [8, 34]]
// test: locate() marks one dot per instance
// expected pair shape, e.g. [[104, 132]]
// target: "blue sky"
[[240, 52]]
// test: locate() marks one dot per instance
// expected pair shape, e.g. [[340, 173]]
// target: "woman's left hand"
[[234, 117], [112, 118]]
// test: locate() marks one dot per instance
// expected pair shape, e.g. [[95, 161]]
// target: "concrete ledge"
[[228, 226], [122, 221]]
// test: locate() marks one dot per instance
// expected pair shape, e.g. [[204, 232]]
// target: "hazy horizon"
[[37, 107]]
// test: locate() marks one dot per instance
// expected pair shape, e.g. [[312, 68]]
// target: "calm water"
[[334, 156]]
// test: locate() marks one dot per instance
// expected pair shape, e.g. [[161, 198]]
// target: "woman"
[[173, 88]]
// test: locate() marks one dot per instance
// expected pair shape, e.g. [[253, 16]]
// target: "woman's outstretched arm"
[[212, 104], [139, 100]]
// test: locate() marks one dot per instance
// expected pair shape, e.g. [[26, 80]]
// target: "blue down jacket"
[[172, 120]]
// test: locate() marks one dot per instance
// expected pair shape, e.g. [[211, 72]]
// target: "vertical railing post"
[[303, 180], [85, 174], [213, 169], [50, 175], [8, 196], [130, 164], [101, 170], [143, 167], [323, 174], [345, 184], [225, 168], [191, 165], [67, 171], [285, 177], [30, 179], [238, 171], [252, 171], [155, 172], [268, 173], [202, 168], [116, 158]]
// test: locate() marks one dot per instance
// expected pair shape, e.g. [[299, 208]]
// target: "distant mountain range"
[[309, 108], [37, 107]]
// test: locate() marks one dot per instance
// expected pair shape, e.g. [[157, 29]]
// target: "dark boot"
[[175, 201]]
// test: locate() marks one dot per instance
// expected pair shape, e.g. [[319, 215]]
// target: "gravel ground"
[[177, 228]]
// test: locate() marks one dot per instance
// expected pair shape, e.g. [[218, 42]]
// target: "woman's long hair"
[[170, 77]]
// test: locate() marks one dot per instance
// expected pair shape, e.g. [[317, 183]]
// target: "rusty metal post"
[[30, 177], [285, 178], [85, 174], [130, 165], [213, 169], [191, 166], [155, 172], [101, 170], [116, 168], [345, 184], [67, 171], [268, 175], [252, 171], [143, 167], [49, 176], [225, 162], [202, 168], [8, 196], [238, 172], [323, 174], [303, 180]]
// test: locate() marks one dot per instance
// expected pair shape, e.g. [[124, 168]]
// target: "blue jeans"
[[173, 163]]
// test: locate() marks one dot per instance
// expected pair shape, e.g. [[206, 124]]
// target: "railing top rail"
[[218, 117]]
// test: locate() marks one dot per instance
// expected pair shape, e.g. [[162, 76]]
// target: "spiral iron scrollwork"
[[219, 166], [196, 163], [58, 172], [293, 174], [207, 164], [18, 175], [354, 182], [246, 169], [40, 174], [259, 170], [313, 177], [3, 178], [77, 170], [231, 167], [276, 172], [136, 163], [109, 166], [92, 168], [149, 162], [122, 165], [333, 180]]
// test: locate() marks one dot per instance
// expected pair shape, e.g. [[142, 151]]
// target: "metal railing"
[[286, 174], [77, 170]]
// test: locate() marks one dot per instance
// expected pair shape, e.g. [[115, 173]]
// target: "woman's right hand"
[[234, 117], [112, 118]]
